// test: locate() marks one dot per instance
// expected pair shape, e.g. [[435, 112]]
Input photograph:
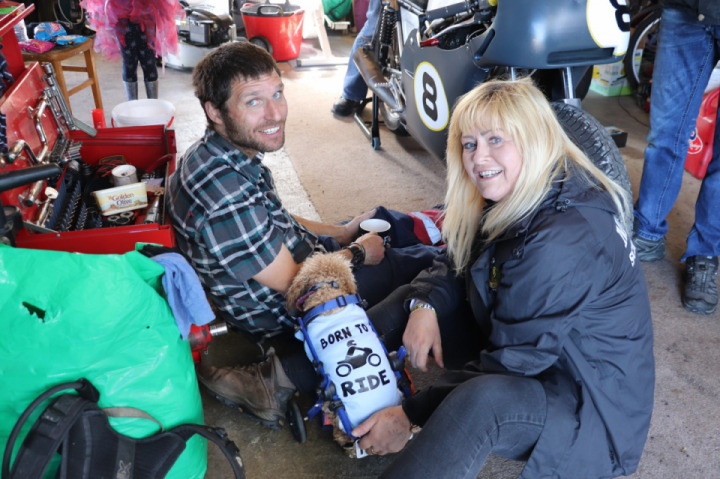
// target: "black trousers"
[[136, 51]]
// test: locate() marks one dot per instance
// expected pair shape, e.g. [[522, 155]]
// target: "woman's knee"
[[505, 396]]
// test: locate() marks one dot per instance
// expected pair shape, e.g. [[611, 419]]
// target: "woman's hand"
[[422, 335], [386, 431], [374, 247], [351, 229]]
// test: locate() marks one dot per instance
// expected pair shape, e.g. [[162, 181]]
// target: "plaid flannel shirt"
[[230, 224]]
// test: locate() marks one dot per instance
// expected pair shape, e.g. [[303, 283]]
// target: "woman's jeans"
[[687, 53], [354, 87], [489, 413]]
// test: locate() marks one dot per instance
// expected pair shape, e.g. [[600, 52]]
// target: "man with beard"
[[246, 247]]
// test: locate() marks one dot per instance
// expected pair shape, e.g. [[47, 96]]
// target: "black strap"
[[52, 428], [220, 438], [92, 448]]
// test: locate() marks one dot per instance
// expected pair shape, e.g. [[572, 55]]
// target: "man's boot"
[[131, 90], [151, 89], [261, 389], [701, 293]]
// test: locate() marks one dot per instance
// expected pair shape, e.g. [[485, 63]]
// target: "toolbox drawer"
[[37, 123]]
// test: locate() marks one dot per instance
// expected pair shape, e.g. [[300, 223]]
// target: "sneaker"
[[649, 250], [344, 107], [701, 294], [261, 389]]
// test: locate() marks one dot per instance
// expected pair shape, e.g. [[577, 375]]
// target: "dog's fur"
[[317, 269], [321, 268]]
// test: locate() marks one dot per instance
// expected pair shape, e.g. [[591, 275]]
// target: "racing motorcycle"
[[424, 55]]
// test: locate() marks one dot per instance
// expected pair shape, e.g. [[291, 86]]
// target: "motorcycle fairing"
[[536, 34], [448, 74]]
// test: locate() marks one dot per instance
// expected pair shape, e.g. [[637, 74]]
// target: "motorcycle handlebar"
[[468, 6]]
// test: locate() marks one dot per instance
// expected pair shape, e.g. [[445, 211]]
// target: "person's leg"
[[146, 58], [354, 87], [127, 34], [399, 267], [296, 364], [490, 413], [683, 64], [700, 294], [704, 237]]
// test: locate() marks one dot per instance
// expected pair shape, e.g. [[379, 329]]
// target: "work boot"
[[344, 107], [701, 294], [131, 90], [648, 250], [261, 389], [151, 89]]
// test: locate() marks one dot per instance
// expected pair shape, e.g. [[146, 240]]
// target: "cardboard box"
[[610, 80]]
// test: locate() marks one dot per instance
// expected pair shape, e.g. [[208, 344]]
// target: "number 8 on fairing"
[[430, 97]]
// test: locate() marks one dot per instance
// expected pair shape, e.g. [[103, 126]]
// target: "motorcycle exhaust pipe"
[[370, 70]]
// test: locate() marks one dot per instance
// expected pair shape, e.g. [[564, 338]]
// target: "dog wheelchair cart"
[[359, 372]]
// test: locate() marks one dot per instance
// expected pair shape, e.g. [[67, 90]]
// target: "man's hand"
[[374, 247], [351, 229], [422, 335], [386, 431]]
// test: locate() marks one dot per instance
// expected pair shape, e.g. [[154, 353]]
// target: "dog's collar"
[[301, 300], [338, 302]]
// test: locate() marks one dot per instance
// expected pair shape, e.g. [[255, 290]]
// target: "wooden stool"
[[55, 57]]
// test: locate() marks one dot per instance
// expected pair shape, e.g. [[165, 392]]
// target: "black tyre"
[[296, 421], [592, 138], [640, 56]]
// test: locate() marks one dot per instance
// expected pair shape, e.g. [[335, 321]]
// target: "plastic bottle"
[[21, 31]]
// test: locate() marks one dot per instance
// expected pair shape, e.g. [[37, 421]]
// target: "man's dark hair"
[[213, 76]]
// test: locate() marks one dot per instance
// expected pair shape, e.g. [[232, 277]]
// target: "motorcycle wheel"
[[592, 138], [393, 121], [640, 56]]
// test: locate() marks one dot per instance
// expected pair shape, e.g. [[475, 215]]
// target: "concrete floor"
[[329, 171]]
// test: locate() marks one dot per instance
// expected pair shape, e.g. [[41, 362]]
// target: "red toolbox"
[[62, 213]]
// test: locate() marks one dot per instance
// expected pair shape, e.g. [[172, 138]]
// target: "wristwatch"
[[358, 254], [416, 304]]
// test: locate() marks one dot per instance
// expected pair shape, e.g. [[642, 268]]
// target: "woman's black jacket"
[[566, 302]]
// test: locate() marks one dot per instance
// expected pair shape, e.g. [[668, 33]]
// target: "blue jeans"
[[488, 413], [687, 53], [354, 87]]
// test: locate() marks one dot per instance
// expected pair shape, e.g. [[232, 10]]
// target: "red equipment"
[[701, 141], [200, 337], [276, 28], [40, 130]]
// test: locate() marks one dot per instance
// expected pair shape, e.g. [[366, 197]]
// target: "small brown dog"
[[338, 335], [321, 270]]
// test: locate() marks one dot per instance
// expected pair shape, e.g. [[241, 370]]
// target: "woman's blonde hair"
[[523, 113]]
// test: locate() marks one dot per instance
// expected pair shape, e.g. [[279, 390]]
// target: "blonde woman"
[[539, 261]]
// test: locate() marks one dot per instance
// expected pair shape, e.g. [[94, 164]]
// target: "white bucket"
[[143, 112]]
